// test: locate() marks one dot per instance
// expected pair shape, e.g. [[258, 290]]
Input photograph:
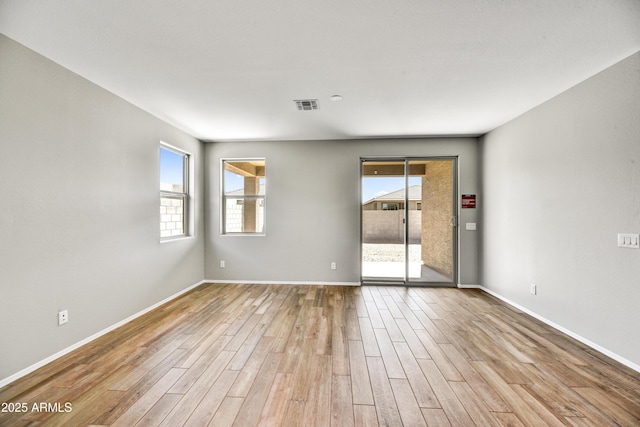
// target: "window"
[[243, 196], [174, 192]]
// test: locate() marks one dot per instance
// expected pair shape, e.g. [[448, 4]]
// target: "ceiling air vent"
[[306, 104]]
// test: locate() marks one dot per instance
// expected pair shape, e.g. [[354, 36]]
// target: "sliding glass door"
[[383, 227], [408, 221]]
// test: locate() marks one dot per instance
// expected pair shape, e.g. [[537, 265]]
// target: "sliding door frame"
[[406, 281]]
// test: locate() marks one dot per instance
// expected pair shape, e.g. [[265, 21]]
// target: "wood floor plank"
[[294, 414], [410, 337], [251, 409], [286, 313], [360, 383], [240, 336], [140, 388], [519, 406], [324, 343], [317, 410], [290, 351], [183, 410], [196, 369], [340, 352], [256, 343], [374, 315], [585, 422], [426, 308], [435, 417], [474, 379], [390, 325], [510, 368], [304, 374], [385, 403], [289, 355], [445, 365], [537, 406], [227, 413], [561, 398], [460, 340], [389, 356], [88, 412], [608, 406], [360, 303], [368, 338], [138, 410], [423, 392], [407, 405], [392, 306], [341, 402], [212, 400], [475, 406], [211, 344], [377, 295], [352, 325], [449, 402], [409, 314], [156, 357], [96, 401], [508, 419], [159, 411], [365, 416], [276, 404], [620, 394]]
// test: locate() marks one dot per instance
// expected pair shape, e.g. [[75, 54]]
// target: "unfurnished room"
[[328, 213]]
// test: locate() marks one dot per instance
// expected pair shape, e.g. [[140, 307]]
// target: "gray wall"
[[559, 183], [79, 217], [313, 208]]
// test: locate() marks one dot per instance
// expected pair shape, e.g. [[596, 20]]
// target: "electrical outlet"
[[63, 317], [534, 289], [334, 266], [222, 264]]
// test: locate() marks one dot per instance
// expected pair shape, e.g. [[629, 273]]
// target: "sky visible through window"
[[234, 182], [371, 187], [171, 167], [378, 186]]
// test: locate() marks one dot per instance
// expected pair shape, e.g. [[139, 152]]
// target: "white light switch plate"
[[470, 225], [627, 240]]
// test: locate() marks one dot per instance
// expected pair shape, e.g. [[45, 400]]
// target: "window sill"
[[174, 239]]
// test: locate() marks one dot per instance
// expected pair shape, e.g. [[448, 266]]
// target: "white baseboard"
[[69, 349], [572, 334], [282, 282], [461, 286]]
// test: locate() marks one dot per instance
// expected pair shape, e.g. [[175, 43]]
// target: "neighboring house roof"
[[415, 193], [240, 192]]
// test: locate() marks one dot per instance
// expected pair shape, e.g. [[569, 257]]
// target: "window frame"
[[258, 197], [185, 195]]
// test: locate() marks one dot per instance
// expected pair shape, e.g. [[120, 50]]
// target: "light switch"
[[627, 240], [470, 225]]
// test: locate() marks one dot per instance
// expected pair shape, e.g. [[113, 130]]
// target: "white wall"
[[79, 210], [313, 208], [559, 183]]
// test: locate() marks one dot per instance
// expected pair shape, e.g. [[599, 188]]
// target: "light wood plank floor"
[[245, 355]]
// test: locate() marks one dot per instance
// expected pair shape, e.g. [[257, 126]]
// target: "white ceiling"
[[230, 69]]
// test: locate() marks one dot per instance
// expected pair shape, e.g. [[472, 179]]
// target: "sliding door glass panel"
[[383, 221], [430, 228]]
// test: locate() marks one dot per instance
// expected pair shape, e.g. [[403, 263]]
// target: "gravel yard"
[[372, 252]]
